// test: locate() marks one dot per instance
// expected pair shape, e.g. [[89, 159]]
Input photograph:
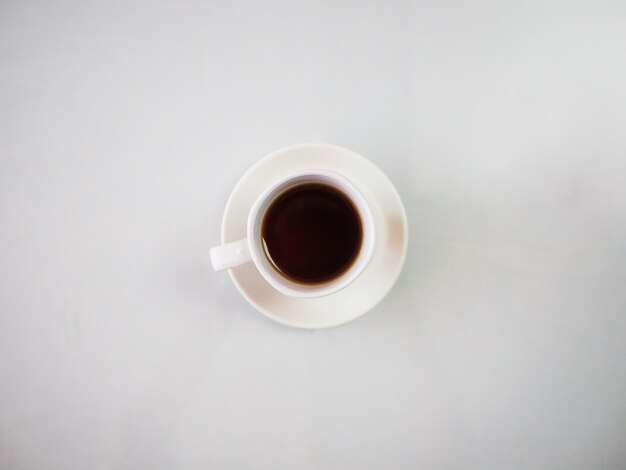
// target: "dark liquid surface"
[[312, 233]]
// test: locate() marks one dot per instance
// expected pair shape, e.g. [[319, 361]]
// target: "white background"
[[125, 124]]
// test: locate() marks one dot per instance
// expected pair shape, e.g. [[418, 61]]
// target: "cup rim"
[[280, 282]]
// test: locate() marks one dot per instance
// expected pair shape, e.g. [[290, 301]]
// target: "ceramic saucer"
[[391, 236]]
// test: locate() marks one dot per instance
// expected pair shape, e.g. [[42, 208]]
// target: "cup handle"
[[230, 255]]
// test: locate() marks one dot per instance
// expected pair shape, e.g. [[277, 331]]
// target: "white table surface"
[[125, 124]]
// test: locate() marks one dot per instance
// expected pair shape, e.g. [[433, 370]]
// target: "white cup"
[[251, 250]]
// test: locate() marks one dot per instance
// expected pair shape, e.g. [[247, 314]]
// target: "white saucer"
[[391, 236]]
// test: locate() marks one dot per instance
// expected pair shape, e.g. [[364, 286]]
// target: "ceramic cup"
[[251, 250]]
